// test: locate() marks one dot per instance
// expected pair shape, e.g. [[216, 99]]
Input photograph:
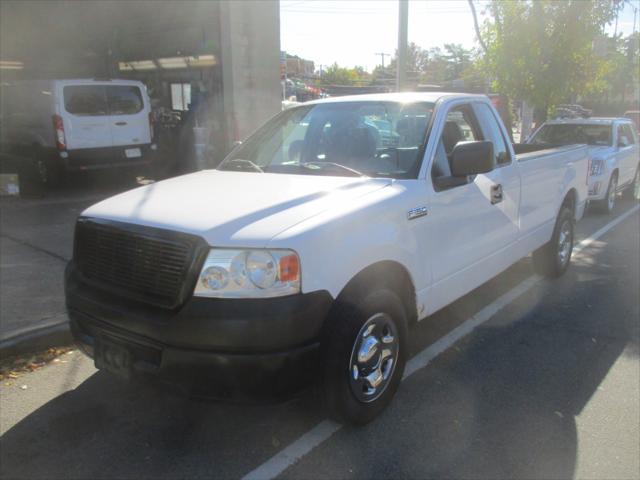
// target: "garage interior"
[[210, 68]]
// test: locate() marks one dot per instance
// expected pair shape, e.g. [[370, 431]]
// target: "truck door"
[[474, 223]]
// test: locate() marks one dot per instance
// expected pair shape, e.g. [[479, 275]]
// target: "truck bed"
[[524, 151]]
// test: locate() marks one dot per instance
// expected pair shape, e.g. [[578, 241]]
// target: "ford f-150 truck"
[[310, 252], [613, 147]]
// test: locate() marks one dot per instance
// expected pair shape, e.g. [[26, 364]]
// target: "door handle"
[[496, 194], [120, 124]]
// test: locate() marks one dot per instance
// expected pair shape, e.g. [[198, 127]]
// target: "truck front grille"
[[147, 264]]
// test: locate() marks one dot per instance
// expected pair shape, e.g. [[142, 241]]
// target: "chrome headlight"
[[228, 273], [597, 167]]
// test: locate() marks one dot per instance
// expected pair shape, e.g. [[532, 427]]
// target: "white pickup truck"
[[613, 147], [315, 246]]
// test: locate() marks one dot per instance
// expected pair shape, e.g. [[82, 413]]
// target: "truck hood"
[[233, 208]]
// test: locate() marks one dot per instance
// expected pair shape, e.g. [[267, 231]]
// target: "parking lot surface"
[[36, 240], [546, 386]]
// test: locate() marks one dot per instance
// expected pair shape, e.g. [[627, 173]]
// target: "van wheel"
[[553, 258], [45, 174], [607, 204], [364, 355]]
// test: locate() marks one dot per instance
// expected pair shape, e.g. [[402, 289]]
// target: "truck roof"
[[400, 97]]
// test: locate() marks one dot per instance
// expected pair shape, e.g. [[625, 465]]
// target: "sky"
[[353, 32]]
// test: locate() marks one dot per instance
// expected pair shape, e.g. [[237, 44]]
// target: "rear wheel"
[[607, 204], [364, 354], [553, 258], [633, 190]]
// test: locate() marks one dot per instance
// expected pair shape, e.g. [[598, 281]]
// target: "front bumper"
[[262, 349]]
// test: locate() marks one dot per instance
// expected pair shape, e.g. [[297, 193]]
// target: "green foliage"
[[542, 51], [336, 75], [622, 68], [434, 66]]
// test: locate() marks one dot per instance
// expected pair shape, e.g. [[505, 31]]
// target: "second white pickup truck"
[[310, 252], [613, 147]]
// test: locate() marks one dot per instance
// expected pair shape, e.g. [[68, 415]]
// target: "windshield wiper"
[[241, 162], [333, 164]]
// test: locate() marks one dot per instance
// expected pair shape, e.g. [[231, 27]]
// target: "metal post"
[[403, 27]]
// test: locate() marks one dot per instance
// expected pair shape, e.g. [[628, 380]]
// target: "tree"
[[435, 65], [542, 51], [337, 75]]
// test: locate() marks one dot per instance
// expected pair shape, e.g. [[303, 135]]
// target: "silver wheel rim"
[[565, 242], [373, 358], [611, 199]]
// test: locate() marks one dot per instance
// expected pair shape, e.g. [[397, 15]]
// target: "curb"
[[38, 339]]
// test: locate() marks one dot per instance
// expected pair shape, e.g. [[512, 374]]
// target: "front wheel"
[[364, 355], [553, 258], [607, 204]]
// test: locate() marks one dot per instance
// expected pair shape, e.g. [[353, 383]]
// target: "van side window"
[[492, 132], [85, 100]]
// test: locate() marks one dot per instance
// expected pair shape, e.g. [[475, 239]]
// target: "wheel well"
[[387, 273], [570, 201]]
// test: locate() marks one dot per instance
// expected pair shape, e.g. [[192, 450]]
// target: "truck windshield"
[[377, 139], [569, 134]]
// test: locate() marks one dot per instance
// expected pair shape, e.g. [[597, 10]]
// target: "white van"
[[72, 125]]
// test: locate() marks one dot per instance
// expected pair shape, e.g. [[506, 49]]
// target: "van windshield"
[[378, 139], [97, 100]]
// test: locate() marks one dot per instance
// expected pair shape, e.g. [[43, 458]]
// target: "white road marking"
[[597, 234], [326, 428], [294, 452]]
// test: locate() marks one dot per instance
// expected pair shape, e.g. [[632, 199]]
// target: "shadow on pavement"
[[106, 428]]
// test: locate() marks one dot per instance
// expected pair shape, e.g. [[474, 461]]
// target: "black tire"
[[343, 330], [607, 204], [547, 260], [633, 191]]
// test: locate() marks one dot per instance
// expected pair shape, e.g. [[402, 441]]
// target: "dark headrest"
[[451, 135]]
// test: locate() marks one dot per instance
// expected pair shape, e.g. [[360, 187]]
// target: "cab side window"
[[492, 132], [628, 132], [460, 126], [622, 136]]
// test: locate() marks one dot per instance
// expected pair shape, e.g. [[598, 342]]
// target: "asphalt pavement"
[[36, 241], [547, 387]]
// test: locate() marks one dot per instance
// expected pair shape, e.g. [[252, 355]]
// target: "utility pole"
[[403, 27], [382, 55]]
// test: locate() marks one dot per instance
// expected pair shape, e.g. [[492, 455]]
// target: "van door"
[[472, 223], [129, 115], [85, 116]]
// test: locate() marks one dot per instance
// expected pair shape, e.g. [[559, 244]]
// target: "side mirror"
[[472, 158], [623, 142]]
